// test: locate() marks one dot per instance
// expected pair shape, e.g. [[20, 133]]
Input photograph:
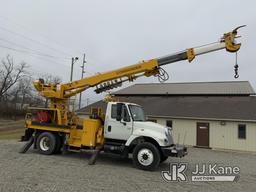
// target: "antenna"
[[82, 76]]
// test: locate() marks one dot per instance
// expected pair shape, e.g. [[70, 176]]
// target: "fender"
[[158, 137]]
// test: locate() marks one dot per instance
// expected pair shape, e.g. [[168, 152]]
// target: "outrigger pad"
[[94, 156], [26, 147]]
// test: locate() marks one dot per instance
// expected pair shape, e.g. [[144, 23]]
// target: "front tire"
[[46, 143], [146, 156]]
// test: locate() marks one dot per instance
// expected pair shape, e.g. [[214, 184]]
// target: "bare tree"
[[16, 88], [24, 89], [49, 78], [10, 75]]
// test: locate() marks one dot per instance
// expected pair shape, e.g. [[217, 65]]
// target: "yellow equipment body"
[[90, 135], [85, 133]]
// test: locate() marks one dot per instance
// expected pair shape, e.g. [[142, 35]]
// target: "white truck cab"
[[127, 131]]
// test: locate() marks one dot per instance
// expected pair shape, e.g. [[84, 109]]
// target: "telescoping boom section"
[[59, 93], [115, 78]]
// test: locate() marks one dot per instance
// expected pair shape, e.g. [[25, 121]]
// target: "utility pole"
[[73, 60], [82, 76]]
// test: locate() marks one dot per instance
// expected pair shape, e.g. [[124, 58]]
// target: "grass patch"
[[12, 134]]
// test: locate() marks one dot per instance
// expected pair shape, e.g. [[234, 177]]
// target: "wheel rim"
[[145, 157], [44, 144]]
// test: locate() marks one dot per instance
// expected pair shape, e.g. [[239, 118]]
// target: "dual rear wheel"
[[48, 143]]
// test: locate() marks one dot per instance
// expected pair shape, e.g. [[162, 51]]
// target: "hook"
[[236, 29]]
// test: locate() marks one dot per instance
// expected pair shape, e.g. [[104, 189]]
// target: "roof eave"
[[203, 118]]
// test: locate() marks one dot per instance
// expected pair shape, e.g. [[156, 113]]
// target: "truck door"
[[119, 130]]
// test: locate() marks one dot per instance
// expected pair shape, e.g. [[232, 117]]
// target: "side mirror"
[[119, 111]]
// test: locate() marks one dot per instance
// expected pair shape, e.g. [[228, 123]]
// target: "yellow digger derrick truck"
[[123, 129]]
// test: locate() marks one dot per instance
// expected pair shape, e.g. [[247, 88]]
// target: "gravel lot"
[[70, 172]]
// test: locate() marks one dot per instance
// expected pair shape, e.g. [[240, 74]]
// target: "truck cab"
[[126, 130]]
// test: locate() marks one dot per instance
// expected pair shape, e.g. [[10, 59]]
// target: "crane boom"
[[59, 93], [112, 79], [147, 68]]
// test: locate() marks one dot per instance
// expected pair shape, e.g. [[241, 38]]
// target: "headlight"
[[168, 135], [168, 131]]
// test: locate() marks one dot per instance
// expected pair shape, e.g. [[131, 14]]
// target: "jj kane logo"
[[201, 172]]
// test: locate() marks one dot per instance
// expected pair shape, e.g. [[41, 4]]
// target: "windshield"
[[137, 113]]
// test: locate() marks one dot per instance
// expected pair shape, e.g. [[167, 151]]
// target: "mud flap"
[[26, 147]]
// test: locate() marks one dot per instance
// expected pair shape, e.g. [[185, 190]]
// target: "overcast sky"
[[116, 33]]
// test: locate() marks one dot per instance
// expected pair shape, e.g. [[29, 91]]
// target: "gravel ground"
[[70, 172]]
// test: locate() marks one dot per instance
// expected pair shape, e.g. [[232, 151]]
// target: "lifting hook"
[[234, 32], [236, 29], [236, 69]]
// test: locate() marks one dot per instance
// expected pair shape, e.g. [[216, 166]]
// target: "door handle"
[[109, 128], [123, 122]]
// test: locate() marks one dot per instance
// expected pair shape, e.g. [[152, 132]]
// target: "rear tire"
[[46, 143], [146, 156], [58, 144]]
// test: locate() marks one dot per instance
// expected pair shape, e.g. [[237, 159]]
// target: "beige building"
[[217, 115], [221, 134]]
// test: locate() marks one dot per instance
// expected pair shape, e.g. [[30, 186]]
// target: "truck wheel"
[[46, 143], [146, 156], [163, 158], [58, 147]]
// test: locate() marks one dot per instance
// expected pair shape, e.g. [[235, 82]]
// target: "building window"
[[241, 131], [153, 120], [169, 123]]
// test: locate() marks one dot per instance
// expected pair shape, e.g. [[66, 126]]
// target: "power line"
[[30, 39], [36, 52], [23, 51], [36, 41], [38, 56], [30, 29], [32, 54]]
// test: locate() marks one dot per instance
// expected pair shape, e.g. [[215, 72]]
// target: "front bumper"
[[175, 151]]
